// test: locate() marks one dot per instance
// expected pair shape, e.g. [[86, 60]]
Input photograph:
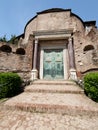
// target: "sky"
[[14, 14]]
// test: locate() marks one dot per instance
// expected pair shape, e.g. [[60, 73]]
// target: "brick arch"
[[6, 48], [20, 51]]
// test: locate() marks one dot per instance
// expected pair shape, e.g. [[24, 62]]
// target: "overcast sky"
[[14, 14]]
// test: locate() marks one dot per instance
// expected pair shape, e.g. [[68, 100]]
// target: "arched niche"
[[88, 48], [6, 48], [20, 51]]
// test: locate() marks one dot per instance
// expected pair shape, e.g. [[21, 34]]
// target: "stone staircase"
[[54, 87], [63, 97]]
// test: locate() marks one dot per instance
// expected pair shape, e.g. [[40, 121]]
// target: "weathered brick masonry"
[[12, 62]]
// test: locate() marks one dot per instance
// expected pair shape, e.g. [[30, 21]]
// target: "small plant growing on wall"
[[3, 39], [13, 39]]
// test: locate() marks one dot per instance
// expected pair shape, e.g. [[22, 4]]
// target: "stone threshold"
[[54, 82]]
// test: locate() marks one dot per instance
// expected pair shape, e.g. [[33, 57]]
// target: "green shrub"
[[10, 84], [91, 85]]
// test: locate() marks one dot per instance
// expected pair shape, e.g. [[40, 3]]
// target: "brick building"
[[56, 44]]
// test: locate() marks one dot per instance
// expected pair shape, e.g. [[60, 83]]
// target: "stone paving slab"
[[54, 89], [21, 120]]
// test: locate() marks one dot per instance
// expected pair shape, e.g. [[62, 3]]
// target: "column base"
[[34, 74], [73, 74]]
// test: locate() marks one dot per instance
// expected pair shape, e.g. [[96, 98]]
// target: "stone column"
[[35, 54], [73, 75], [34, 73]]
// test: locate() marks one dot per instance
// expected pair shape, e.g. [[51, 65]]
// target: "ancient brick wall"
[[12, 62], [86, 51]]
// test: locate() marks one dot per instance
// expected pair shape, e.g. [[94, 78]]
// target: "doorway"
[[53, 67]]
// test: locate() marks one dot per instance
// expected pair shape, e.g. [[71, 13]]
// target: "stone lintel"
[[55, 34]]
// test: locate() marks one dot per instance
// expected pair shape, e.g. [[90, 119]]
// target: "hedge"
[[10, 84], [91, 85]]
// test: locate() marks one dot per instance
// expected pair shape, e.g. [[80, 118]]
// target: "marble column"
[[73, 75], [34, 73]]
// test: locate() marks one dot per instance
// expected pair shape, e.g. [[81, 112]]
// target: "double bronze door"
[[53, 67]]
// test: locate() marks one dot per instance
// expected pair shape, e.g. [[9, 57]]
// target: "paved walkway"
[[57, 118], [21, 120]]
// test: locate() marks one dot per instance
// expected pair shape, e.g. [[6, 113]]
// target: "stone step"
[[54, 89], [54, 82], [70, 104]]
